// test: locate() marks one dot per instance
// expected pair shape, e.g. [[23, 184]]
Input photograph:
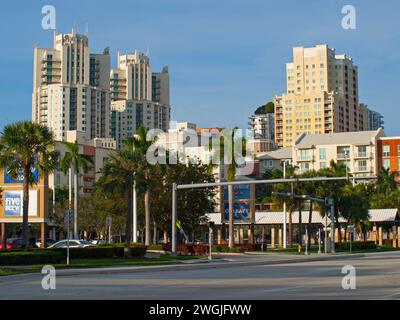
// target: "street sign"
[[326, 223], [329, 201], [108, 221]]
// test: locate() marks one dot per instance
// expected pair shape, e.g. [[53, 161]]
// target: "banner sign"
[[241, 211], [240, 192], [8, 179], [13, 203]]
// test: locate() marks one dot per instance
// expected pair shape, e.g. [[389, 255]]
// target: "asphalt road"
[[377, 277]]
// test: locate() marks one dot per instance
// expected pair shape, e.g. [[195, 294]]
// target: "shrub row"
[[111, 251], [356, 245], [31, 257], [188, 249]]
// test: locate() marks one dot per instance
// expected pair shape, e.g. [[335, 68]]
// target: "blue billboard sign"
[[8, 179], [240, 192], [241, 211], [12, 204]]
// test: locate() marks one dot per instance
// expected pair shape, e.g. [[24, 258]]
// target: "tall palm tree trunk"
[[309, 224], [76, 199], [155, 233], [128, 225], [300, 226], [230, 199], [165, 236], [147, 216], [290, 231], [25, 210]]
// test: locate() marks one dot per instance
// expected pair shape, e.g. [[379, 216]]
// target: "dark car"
[[16, 243]]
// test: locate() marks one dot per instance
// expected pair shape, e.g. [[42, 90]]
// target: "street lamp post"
[[174, 213], [134, 238], [284, 210]]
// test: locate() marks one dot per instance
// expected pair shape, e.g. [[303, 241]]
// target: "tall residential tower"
[[139, 97], [71, 87], [321, 96]]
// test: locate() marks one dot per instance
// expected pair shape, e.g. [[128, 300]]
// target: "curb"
[[198, 266]]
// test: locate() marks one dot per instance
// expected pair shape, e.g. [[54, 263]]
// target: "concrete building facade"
[[321, 96], [375, 120], [358, 151], [139, 97], [71, 87], [262, 128], [98, 149], [389, 154]]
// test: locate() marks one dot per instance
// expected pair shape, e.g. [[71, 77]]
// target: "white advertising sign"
[[13, 203]]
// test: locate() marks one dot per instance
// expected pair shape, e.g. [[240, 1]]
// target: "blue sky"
[[225, 57]]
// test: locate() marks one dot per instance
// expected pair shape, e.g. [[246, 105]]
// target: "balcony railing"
[[363, 154], [343, 155]]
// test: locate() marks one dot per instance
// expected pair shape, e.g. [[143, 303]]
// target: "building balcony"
[[363, 155], [306, 159], [343, 156], [362, 169]]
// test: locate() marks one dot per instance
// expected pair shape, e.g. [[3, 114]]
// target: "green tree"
[[353, 206], [386, 181], [291, 202], [118, 175], [24, 147], [228, 155], [143, 171], [75, 161]]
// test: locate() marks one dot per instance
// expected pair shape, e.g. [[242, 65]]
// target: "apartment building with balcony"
[[262, 128], [389, 154], [138, 96], [98, 149], [358, 151], [321, 96], [71, 87]]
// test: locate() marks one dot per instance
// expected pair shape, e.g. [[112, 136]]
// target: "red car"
[[16, 243]]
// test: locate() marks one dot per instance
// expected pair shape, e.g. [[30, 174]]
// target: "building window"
[[386, 164], [398, 150], [386, 151], [362, 151], [322, 154], [304, 166], [322, 165]]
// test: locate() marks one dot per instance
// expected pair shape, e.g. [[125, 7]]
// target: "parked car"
[[73, 244], [16, 243], [99, 241], [49, 242]]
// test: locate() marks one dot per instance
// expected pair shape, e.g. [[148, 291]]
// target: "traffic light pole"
[[174, 213]]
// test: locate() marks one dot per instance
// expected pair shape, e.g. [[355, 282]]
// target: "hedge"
[[112, 251], [31, 257], [356, 245], [188, 249]]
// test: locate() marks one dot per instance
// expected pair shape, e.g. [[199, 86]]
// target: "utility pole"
[[174, 214], [333, 228], [134, 238], [70, 192], [284, 210]]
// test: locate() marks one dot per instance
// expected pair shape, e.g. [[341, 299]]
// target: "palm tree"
[[386, 181], [118, 175], [230, 140], [143, 172], [75, 161], [25, 147]]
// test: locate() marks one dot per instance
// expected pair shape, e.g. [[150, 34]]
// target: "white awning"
[[277, 217]]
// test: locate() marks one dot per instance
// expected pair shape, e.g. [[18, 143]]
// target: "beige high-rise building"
[[321, 96], [138, 96], [71, 87]]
